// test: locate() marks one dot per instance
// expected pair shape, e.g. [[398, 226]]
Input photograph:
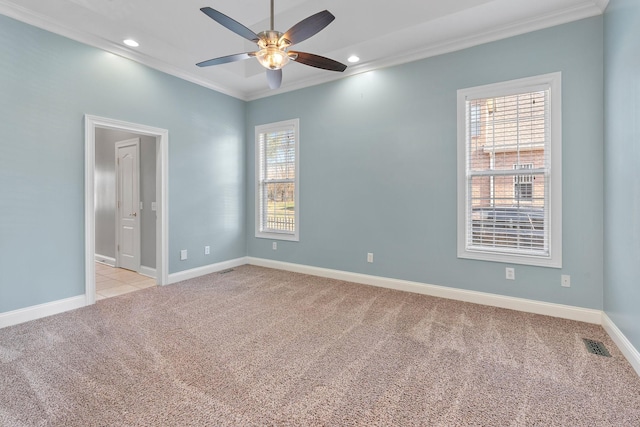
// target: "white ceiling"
[[174, 34]]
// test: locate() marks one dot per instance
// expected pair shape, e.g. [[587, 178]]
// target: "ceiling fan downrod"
[[272, 13]]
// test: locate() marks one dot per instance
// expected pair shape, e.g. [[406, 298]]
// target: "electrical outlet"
[[274, 246], [565, 281], [370, 257], [183, 254], [510, 273], [207, 250]]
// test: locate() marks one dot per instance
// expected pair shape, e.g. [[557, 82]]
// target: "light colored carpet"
[[264, 347]]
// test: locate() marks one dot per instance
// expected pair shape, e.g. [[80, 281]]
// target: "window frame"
[[260, 232], [553, 198]]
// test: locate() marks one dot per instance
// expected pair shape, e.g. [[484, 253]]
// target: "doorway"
[[96, 125]]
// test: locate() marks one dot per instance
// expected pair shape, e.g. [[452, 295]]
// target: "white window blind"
[[277, 180], [507, 168]]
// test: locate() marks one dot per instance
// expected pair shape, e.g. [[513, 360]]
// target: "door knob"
[[134, 214]]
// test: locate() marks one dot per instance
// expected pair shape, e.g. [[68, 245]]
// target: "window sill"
[[536, 261], [277, 236]]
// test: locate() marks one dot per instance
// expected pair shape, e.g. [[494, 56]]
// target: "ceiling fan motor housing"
[[273, 53]]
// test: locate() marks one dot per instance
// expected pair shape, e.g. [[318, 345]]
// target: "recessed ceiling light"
[[353, 59], [130, 42]]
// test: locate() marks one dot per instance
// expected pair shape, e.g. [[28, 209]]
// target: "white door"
[[128, 204]]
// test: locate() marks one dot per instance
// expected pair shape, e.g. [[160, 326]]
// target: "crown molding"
[[40, 21], [602, 4], [581, 11], [512, 29]]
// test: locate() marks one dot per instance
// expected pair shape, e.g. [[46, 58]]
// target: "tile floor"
[[111, 281]]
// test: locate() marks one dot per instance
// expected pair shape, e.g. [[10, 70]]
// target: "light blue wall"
[[378, 164], [378, 167], [622, 167], [47, 84]]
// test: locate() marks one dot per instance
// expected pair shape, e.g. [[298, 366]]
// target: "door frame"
[[135, 142], [162, 223]]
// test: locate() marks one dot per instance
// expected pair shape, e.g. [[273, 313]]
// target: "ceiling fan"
[[274, 46]]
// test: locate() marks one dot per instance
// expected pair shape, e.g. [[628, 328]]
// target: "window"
[[509, 173], [277, 201]]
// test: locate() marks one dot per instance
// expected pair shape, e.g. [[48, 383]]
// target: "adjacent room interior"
[[442, 232], [118, 269]]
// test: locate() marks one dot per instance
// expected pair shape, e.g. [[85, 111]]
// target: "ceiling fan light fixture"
[[272, 58]]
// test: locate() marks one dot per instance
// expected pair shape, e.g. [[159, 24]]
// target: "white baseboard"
[[144, 270], [105, 260], [207, 269], [494, 300], [41, 310], [625, 346], [147, 271], [530, 306]]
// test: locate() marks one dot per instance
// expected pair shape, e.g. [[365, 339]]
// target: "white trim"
[[511, 29], [105, 260], [147, 271], [574, 13], [602, 4], [207, 269], [162, 190], [41, 310], [56, 307], [41, 21], [525, 305], [144, 270], [625, 346], [529, 306]]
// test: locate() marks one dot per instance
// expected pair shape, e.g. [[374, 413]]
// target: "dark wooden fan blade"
[[226, 59], [318, 61], [308, 27], [231, 24], [274, 78]]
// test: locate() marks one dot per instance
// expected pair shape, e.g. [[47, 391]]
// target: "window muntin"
[[509, 172], [277, 206]]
